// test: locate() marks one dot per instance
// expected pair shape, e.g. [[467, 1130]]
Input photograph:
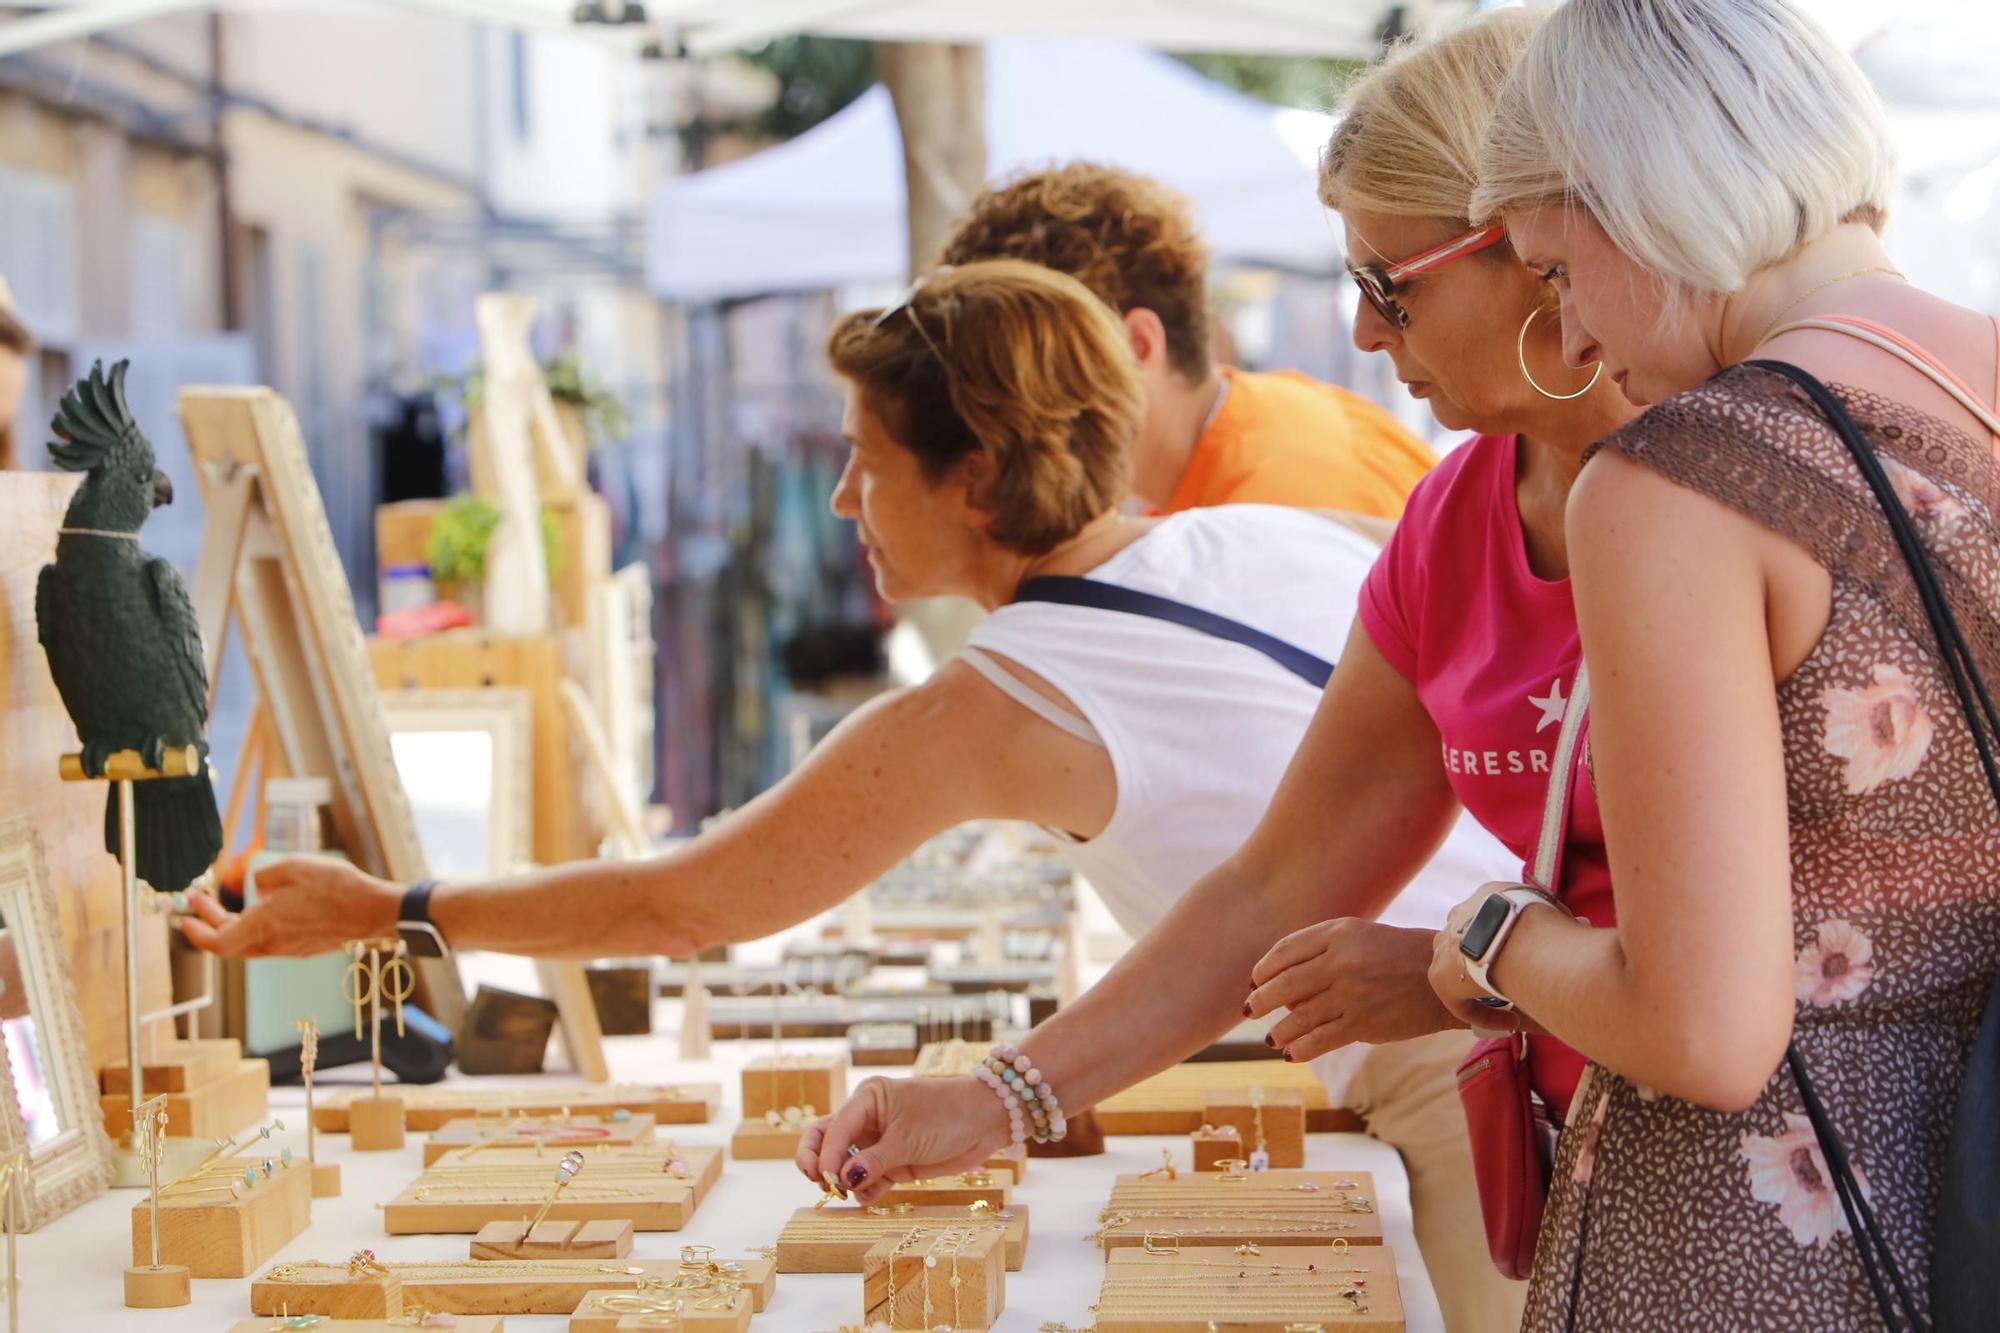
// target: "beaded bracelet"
[[1032, 1109]]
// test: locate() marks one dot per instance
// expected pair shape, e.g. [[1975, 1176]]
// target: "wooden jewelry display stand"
[[979, 1185], [609, 1239], [836, 1240], [375, 1122], [1238, 1207], [782, 1094], [228, 1214], [218, 1087], [363, 1288], [1175, 1101], [1172, 1287], [927, 1277], [433, 1108], [707, 1295], [1214, 1144], [1267, 1121], [465, 1191], [461, 1323], [485, 1133], [155, 1286], [212, 1092], [325, 1177]]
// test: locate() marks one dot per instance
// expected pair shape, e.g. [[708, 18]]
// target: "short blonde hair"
[[1709, 138], [1407, 143], [1014, 362]]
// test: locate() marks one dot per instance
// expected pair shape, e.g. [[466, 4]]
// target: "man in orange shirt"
[[1212, 434]]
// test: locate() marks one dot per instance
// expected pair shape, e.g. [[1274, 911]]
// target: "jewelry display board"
[[1178, 1288], [1237, 1206], [228, 1214], [432, 1108], [463, 1324], [978, 1185], [486, 1133], [834, 1240], [608, 1239], [1270, 1121], [930, 1278], [461, 1195], [363, 1288], [1174, 1101]]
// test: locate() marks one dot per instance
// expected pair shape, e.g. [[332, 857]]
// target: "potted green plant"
[[459, 538]]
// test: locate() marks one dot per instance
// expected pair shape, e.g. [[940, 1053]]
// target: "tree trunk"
[[939, 92]]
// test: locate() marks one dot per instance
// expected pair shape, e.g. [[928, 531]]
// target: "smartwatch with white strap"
[[1488, 930]]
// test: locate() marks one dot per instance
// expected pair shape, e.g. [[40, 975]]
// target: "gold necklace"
[[900, 1247], [1798, 301], [1260, 1157]]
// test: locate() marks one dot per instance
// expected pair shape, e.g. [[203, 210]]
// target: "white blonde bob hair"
[[1709, 138]]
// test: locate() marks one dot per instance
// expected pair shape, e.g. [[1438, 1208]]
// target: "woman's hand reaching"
[[892, 1131]]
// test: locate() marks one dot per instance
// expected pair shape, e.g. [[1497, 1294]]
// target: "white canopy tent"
[[827, 208]]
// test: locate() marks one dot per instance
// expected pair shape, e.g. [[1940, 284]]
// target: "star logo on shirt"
[[1552, 705]]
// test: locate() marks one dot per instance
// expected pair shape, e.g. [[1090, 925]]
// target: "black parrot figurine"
[[121, 636]]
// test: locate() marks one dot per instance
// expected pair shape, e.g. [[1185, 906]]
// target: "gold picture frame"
[[48, 1090]]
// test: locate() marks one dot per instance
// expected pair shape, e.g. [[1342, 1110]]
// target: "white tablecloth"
[[72, 1269]]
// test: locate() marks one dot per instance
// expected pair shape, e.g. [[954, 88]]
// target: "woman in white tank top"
[[990, 417]]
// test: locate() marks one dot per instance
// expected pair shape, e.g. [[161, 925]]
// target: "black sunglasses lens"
[[1375, 288]]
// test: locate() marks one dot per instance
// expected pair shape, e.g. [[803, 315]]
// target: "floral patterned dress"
[[1663, 1214]]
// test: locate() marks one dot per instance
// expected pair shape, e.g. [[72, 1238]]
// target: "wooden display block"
[[556, 1286], [466, 1324], [1217, 1143], [607, 1239], [575, 1131], [214, 1235], [755, 1141], [774, 1082], [959, 1281], [326, 1180], [835, 1239], [1166, 1292], [178, 1066], [624, 998], [212, 1110], [965, 1188], [1283, 1208], [1174, 1101], [1282, 1116], [699, 1167], [433, 1108], [375, 1124], [591, 1317], [157, 1286], [464, 1195]]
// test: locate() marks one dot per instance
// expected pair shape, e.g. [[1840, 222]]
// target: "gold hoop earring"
[[1521, 354]]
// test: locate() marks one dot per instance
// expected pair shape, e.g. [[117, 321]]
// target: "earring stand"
[[375, 1122], [325, 1178], [154, 1286], [123, 768]]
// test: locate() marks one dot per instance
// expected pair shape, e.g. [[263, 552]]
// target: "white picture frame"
[[503, 715]]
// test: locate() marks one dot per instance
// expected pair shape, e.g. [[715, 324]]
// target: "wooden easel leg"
[[228, 519], [583, 1036]]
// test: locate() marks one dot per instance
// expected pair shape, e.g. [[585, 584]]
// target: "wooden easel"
[[268, 557]]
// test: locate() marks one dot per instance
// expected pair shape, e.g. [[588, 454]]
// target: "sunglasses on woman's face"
[[1378, 285]]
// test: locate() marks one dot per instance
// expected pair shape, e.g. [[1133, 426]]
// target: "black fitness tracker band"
[[416, 909]]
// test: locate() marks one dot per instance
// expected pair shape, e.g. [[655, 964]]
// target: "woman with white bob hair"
[[1804, 856]]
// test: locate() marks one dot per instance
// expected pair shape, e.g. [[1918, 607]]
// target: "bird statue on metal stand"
[[120, 632]]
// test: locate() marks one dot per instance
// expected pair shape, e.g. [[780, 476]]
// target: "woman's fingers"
[[1312, 1012], [1295, 948], [849, 1132], [1298, 982], [1328, 1036], [216, 929]]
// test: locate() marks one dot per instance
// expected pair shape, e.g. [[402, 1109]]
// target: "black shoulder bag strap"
[[1104, 596], [1976, 703]]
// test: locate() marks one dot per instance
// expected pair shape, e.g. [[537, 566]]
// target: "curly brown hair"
[[1018, 364], [1128, 238]]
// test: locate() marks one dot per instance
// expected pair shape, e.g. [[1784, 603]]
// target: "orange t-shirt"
[[1287, 439]]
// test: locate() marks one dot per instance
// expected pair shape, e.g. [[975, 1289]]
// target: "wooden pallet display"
[[212, 1233], [433, 1108], [1174, 1100], [835, 1240], [1277, 1208], [1179, 1288], [465, 1197], [485, 1133], [366, 1288], [925, 1278]]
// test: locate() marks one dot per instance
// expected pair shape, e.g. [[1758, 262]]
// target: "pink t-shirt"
[[1492, 650]]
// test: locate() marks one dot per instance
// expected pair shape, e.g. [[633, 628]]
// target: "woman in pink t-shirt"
[[1449, 692]]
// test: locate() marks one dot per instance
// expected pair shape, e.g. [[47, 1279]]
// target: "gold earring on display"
[[1521, 353]]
